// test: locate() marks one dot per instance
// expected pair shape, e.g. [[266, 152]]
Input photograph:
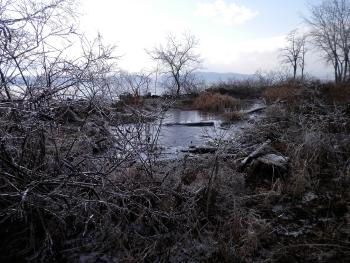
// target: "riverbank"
[[279, 192]]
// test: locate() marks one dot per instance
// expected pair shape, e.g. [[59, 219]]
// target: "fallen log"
[[255, 110], [261, 150], [191, 124], [200, 150]]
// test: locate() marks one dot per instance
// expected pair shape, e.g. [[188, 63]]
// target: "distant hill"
[[211, 77]]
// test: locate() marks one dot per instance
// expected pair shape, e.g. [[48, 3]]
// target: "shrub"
[[238, 88], [337, 93], [215, 102], [286, 92], [232, 116]]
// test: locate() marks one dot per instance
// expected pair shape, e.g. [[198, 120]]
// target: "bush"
[[239, 88], [215, 102], [286, 92], [232, 116], [337, 93]]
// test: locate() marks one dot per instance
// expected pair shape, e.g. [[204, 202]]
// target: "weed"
[[215, 102]]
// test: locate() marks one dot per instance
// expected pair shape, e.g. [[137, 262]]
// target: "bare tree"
[[60, 159], [193, 83], [29, 30], [43, 56], [94, 69], [294, 53], [136, 83], [330, 30], [303, 52], [178, 59]]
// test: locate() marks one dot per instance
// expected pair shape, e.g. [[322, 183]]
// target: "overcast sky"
[[239, 36]]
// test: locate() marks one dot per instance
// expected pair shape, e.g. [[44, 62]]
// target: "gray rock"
[[265, 164], [274, 160], [267, 168]]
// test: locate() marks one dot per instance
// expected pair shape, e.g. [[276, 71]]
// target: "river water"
[[178, 138], [173, 140]]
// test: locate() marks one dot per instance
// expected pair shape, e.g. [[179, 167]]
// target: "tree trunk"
[[336, 78], [346, 67], [348, 74], [3, 84], [302, 73], [295, 71], [178, 86]]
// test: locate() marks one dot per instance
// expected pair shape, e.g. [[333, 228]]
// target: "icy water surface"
[[173, 136]]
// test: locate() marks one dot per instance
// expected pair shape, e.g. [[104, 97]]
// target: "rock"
[[267, 167], [264, 164], [261, 150], [275, 160]]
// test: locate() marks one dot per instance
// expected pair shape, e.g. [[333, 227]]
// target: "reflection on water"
[[173, 139], [188, 116]]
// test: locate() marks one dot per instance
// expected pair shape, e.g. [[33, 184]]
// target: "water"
[[174, 139]]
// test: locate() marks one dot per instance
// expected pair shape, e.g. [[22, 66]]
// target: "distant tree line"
[[329, 32]]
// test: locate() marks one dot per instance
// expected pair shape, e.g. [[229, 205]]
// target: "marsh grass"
[[215, 103]]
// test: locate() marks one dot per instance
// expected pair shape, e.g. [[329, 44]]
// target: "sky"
[[240, 36]]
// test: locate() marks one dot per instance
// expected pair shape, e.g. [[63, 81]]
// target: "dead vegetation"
[[215, 103], [80, 180], [243, 89], [309, 216], [230, 117], [73, 191], [337, 94], [288, 91]]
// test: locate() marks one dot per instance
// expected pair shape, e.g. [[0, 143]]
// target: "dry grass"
[[67, 197], [284, 92], [314, 135], [215, 102], [63, 198], [59, 195], [232, 116], [242, 89], [337, 94]]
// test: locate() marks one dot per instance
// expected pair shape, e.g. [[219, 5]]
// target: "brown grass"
[[215, 102], [337, 94], [232, 116], [285, 92], [239, 88], [314, 136]]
